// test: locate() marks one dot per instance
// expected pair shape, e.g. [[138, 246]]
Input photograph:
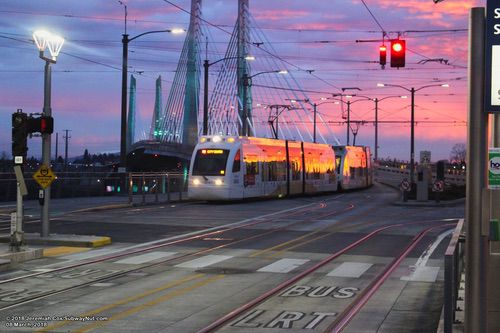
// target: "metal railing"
[[156, 187], [135, 187], [453, 267]]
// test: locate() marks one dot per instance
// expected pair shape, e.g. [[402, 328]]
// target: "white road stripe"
[[204, 261], [350, 269], [146, 257], [283, 265], [422, 273]]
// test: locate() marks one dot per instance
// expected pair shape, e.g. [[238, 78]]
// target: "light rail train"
[[232, 168]]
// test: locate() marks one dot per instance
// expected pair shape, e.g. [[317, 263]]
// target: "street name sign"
[[44, 176], [492, 57], [494, 169]]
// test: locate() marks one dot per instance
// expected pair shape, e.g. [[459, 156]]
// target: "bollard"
[[168, 188], [143, 183], [156, 189], [130, 188]]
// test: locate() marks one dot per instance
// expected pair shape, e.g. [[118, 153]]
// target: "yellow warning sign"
[[44, 176]]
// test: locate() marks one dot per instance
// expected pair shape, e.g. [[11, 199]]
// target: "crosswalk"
[[346, 269]]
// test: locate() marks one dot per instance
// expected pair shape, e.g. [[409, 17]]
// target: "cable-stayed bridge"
[[250, 90]]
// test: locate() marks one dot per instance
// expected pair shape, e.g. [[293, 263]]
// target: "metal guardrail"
[[156, 187], [138, 187], [450, 178], [453, 267]]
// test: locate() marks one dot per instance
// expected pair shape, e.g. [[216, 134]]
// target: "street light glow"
[[44, 39], [380, 85], [177, 31], [283, 71], [250, 57], [445, 85], [40, 37]]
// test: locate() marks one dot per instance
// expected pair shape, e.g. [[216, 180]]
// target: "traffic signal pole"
[[47, 111]]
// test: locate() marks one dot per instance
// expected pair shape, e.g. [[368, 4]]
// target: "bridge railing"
[[155, 187], [395, 175], [453, 268]]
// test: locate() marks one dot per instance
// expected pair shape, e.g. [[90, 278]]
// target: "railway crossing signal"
[[398, 52], [19, 136], [42, 125]]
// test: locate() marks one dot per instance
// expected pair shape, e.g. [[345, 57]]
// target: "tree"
[[458, 153]]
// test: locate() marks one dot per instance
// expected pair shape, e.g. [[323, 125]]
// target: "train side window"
[[252, 168], [237, 162]]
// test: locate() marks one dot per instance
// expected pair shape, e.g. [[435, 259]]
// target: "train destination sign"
[[492, 57]]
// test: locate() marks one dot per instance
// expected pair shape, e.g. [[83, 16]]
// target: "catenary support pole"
[[476, 242]]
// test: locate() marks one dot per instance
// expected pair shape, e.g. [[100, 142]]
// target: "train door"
[[251, 178], [235, 174]]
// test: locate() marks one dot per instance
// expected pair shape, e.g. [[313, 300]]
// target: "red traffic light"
[[383, 55], [42, 125], [398, 52]]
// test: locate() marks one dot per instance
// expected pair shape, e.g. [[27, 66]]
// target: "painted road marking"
[[204, 261], [103, 284], [92, 254], [283, 265], [146, 257], [62, 250], [420, 272], [350, 269], [423, 274]]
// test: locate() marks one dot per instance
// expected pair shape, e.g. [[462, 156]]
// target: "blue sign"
[[492, 56]]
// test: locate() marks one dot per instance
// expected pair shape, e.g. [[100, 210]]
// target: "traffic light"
[[383, 55], [42, 125], [398, 51], [19, 134]]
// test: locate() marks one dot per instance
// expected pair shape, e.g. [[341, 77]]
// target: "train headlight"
[[216, 139], [218, 182], [196, 182]]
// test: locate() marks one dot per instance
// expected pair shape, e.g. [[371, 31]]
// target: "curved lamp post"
[[43, 40], [206, 65], [247, 82], [123, 132], [412, 133]]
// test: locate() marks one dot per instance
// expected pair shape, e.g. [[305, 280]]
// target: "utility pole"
[[66, 137], [57, 150]]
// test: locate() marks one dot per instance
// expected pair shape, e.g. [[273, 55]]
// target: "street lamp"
[[123, 133], [247, 82], [54, 43], [412, 133], [362, 98], [206, 65], [377, 100]]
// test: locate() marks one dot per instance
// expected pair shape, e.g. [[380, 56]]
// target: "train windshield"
[[210, 162]]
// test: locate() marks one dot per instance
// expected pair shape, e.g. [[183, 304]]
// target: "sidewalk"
[[59, 207]]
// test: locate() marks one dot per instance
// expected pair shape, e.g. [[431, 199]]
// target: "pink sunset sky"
[[319, 35]]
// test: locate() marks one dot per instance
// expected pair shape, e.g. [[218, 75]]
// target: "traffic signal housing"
[[19, 134], [42, 125], [398, 52], [383, 55]]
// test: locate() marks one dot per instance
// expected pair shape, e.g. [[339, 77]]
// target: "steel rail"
[[346, 316], [121, 273], [263, 297]]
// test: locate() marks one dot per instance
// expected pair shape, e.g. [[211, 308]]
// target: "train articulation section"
[[232, 168]]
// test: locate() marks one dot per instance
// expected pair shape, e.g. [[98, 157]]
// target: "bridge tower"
[[244, 90], [156, 129], [192, 83], [131, 113]]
